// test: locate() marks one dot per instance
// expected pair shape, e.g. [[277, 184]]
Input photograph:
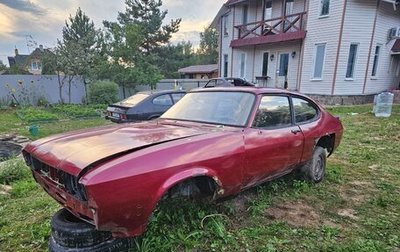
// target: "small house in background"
[[199, 72], [32, 63]]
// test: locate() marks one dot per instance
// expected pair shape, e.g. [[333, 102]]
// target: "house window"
[[245, 14], [225, 25], [398, 69], [289, 7], [351, 63], [376, 60], [225, 65], [267, 10], [242, 65], [324, 7], [36, 65], [265, 64], [319, 61]]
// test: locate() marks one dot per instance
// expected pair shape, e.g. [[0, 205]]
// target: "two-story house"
[[31, 63], [324, 47]]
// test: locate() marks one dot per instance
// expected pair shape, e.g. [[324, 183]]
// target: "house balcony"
[[286, 28]]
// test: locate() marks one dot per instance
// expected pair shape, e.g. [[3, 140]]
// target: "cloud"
[[25, 6]]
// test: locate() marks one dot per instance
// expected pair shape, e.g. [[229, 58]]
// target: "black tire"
[[314, 169], [112, 245], [71, 232]]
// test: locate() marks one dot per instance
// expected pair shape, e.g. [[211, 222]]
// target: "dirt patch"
[[5, 190], [349, 213], [356, 192], [297, 214]]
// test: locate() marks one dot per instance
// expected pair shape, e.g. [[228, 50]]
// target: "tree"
[[208, 51], [49, 63], [172, 57], [2, 66], [147, 14], [79, 48], [132, 42]]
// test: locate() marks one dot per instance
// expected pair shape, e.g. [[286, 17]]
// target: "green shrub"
[[103, 92], [75, 111], [32, 114], [13, 170]]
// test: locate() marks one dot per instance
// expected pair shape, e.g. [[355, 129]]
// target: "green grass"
[[355, 209]]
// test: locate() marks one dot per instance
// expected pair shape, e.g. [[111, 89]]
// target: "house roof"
[[19, 60], [396, 46], [199, 69], [222, 11]]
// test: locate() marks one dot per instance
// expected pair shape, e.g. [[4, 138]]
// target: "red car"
[[214, 142]]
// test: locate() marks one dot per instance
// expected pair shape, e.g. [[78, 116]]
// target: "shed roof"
[[199, 69]]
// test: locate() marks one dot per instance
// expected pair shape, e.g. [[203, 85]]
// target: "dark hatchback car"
[[143, 106], [228, 82]]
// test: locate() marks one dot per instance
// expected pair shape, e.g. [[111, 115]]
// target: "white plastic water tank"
[[383, 104]]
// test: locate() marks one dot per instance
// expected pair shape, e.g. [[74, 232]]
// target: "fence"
[[30, 89]]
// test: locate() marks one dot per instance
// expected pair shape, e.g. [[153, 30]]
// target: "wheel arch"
[[188, 175], [327, 142]]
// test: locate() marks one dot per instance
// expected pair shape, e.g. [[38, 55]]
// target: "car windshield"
[[223, 108], [133, 100]]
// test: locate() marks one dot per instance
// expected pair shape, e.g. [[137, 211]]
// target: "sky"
[[41, 21]]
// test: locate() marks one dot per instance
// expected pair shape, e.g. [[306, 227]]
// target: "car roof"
[[255, 90], [154, 92]]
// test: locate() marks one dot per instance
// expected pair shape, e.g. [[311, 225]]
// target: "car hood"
[[72, 152]]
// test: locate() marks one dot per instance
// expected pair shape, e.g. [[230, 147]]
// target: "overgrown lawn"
[[355, 209]]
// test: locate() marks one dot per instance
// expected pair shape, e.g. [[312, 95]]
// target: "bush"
[[103, 92], [32, 114], [76, 111], [13, 170]]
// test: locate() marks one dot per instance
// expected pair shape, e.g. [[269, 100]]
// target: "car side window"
[[163, 100], [273, 112], [211, 83], [304, 111], [177, 97]]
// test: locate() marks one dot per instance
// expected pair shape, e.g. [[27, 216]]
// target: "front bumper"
[[79, 208]]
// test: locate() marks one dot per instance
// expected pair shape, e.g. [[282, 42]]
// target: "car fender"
[[185, 175]]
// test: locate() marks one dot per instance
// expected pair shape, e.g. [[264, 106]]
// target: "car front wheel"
[[314, 169]]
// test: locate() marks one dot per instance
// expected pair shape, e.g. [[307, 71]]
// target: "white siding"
[[225, 43], [386, 73], [254, 58], [273, 67], [359, 23], [321, 30]]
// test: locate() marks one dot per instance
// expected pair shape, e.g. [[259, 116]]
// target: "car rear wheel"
[[315, 168], [69, 231]]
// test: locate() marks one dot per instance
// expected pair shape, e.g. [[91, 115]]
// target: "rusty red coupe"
[[214, 142]]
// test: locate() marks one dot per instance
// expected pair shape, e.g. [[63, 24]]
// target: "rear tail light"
[[124, 117]]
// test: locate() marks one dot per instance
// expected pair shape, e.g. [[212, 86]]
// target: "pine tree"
[[148, 15]]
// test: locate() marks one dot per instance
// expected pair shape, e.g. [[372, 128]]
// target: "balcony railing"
[[275, 26]]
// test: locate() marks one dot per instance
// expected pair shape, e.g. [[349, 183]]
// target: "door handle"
[[296, 131]]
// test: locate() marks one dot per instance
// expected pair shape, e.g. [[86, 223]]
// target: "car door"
[[306, 116], [273, 145]]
